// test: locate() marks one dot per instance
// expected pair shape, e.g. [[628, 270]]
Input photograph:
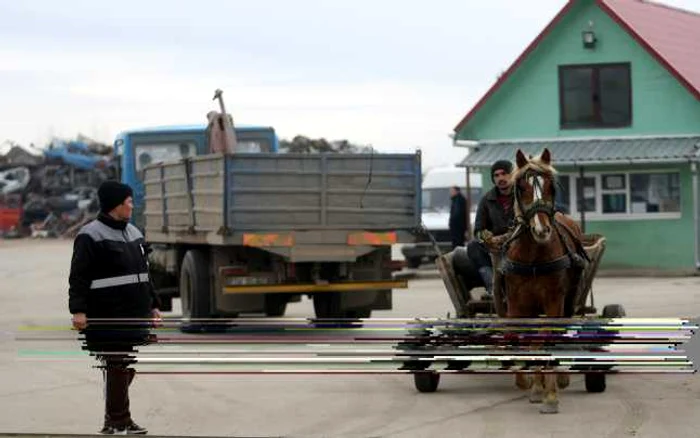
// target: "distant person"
[[458, 217], [109, 279]]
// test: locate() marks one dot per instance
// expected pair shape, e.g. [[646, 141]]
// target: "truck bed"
[[215, 198]]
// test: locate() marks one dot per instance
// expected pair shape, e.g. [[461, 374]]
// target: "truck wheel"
[[275, 305], [166, 304], [195, 290], [327, 305], [364, 312]]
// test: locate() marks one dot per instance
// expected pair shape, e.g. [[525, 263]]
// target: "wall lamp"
[[589, 39]]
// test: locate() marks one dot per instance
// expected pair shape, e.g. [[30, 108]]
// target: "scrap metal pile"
[[51, 192]]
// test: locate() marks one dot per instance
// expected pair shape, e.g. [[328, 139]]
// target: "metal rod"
[[469, 205], [581, 203], [696, 214]]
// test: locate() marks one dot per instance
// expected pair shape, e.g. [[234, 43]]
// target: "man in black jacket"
[[493, 218], [458, 217], [109, 279]]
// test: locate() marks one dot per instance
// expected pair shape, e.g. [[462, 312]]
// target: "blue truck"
[[251, 231]]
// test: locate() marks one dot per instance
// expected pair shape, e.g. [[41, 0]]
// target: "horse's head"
[[533, 186]]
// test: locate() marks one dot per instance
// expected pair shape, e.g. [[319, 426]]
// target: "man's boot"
[[486, 274], [117, 413]]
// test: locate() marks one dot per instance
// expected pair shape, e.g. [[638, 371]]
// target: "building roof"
[[671, 35], [592, 151]]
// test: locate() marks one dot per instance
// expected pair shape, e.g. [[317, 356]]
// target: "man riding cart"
[[494, 219], [494, 216]]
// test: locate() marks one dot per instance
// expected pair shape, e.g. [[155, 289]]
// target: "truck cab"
[[435, 211], [139, 148]]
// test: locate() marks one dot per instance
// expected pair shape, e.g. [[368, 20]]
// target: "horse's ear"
[[546, 156], [520, 159]]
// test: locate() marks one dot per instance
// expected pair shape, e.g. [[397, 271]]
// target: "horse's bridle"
[[539, 206], [572, 258]]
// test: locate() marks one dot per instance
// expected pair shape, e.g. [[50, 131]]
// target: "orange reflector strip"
[[366, 238], [266, 240]]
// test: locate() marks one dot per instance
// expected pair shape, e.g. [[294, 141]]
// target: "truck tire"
[[275, 305], [327, 306], [195, 290]]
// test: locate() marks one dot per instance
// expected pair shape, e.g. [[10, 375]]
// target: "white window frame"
[[598, 215]]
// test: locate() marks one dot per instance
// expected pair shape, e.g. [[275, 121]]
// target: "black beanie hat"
[[504, 165], [111, 194]]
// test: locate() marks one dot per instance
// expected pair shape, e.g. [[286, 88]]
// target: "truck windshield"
[[159, 152], [438, 199], [250, 146]]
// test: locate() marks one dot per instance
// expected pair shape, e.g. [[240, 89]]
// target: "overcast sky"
[[397, 74]]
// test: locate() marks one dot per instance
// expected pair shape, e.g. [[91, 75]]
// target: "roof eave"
[[514, 66], [582, 163], [641, 41]]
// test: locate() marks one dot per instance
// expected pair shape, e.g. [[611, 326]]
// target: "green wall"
[[663, 244], [527, 105]]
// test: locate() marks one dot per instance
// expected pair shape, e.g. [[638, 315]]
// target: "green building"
[[612, 88]]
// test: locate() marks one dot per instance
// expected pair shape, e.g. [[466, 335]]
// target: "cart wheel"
[[595, 382], [414, 262], [614, 311], [426, 382]]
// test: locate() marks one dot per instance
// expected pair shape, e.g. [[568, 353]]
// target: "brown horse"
[[541, 262]]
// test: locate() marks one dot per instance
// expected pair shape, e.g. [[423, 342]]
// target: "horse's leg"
[[554, 308], [521, 308], [538, 386]]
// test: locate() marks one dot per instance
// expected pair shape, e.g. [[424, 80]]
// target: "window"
[[253, 141], [621, 194], [655, 193], [586, 194], [595, 96], [614, 193], [563, 196], [160, 152]]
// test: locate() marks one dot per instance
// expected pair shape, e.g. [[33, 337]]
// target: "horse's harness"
[[576, 257]]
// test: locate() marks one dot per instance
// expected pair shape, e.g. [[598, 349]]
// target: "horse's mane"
[[535, 164]]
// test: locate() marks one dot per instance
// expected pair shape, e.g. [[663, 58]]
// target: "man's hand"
[[79, 321], [486, 236], [157, 318], [494, 243]]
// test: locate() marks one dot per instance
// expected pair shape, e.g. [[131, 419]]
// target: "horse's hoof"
[[523, 381], [562, 381], [536, 396], [549, 408]]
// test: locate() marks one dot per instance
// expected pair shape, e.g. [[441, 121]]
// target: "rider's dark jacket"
[[491, 216]]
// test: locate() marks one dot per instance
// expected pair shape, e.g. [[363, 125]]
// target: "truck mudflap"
[[303, 288]]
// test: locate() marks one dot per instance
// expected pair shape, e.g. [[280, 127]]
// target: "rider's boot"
[[486, 274]]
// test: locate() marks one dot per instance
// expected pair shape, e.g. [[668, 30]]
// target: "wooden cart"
[[467, 304]]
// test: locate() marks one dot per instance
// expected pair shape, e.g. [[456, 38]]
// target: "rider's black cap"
[[504, 165]]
